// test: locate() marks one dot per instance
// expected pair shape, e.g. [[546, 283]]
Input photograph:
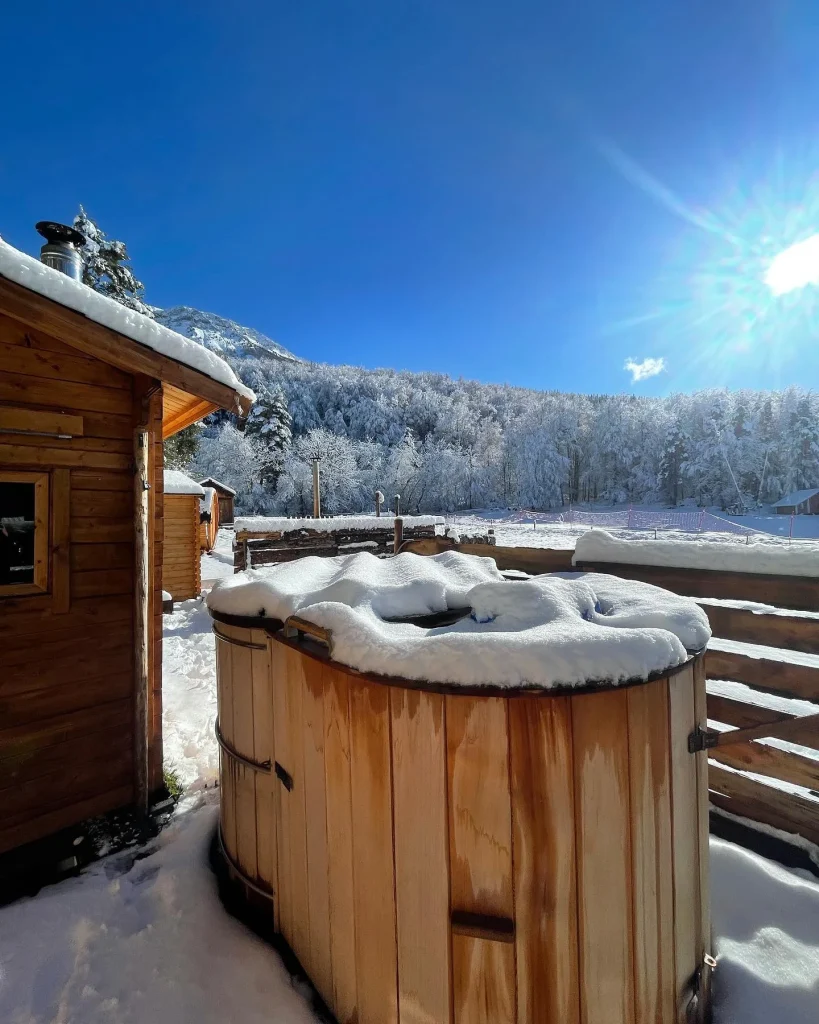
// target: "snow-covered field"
[[141, 937]]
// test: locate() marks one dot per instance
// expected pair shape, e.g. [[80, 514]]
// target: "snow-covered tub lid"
[[177, 482], [557, 632]]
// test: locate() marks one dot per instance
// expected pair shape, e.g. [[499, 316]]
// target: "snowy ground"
[[218, 562], [515, 529], [141, 938]]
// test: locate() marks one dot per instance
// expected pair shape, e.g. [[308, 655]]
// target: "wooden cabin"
[[225, 496], [208, 518], [181, 572], [799, 503], [88, 392]]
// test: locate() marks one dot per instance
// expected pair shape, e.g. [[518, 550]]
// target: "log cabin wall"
[[67, 691], [181, 572]]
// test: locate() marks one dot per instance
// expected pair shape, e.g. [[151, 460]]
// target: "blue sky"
[[524, 192]]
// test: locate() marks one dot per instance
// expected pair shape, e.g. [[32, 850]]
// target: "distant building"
[[801, 503], [225, 496]]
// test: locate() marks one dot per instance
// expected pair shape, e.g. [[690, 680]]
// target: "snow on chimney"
[[61, 250]]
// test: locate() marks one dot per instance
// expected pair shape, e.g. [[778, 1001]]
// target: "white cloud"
[[641, 371]]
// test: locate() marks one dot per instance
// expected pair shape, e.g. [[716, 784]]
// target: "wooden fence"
[[790, 674]]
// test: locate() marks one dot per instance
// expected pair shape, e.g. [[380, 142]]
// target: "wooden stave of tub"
[[400, 867]]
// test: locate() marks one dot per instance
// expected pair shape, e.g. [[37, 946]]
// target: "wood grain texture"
[[705, 945], [315, 799], [181, 566], [685, 836], [263, 751], [604, 870], [224, 674], [242, 738], [652, 863], [421, 856], [480, 852], [373, 869], [288, 730], [544, 855], [340, 843], [483, 981]]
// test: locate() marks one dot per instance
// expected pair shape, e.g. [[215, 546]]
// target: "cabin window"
[[23, 533]]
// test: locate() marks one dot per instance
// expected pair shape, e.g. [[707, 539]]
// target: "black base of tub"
[[256, 912]]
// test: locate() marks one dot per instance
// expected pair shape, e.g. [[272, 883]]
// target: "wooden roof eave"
[[44, 314]]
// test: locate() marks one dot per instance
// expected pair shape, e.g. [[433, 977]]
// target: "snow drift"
[[766, 555]]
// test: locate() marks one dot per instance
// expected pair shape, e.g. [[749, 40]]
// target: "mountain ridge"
[[225, 337]]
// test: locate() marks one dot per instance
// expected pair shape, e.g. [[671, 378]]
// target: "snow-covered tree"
[[105, 266], [270, 422]]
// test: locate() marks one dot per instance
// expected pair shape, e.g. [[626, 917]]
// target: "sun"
[[794, 267]]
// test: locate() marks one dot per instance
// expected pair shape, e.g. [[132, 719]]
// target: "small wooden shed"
[[88, 392], [224, 496], [181, 574]]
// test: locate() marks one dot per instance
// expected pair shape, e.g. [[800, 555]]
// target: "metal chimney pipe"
[[61, 251]]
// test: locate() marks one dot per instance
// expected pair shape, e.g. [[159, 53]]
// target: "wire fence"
[[694, 521]]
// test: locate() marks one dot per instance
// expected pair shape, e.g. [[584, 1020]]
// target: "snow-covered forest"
[[447, 444]]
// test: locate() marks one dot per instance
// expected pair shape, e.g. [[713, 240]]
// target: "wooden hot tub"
[[445, 854]]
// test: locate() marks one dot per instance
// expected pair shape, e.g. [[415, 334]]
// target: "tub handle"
[[257, 766], [482, 926], [295, 625]]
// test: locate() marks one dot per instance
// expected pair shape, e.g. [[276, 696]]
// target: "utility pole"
[[316, 489]]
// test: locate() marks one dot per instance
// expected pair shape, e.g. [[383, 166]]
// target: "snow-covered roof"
[[797, 497], [565, 629], [281, 524], [210, 482], [177, 482], [761, 553], [24, 270]]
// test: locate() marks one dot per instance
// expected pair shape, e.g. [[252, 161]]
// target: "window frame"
[[42, 547]]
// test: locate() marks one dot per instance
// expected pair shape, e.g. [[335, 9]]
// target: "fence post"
[[790, 531], [398, 504], [628, 521], [379, 497], [398, 535], [702, 517]]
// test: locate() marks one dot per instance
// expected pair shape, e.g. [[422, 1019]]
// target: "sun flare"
[[794, 267]]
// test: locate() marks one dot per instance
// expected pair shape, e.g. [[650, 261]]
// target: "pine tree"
[[105, 266], [672, 459], [181, 449], [270, 422]]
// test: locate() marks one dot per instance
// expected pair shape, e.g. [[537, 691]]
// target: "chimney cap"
[[53, 232]]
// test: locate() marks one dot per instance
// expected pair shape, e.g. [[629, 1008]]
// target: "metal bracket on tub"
[[284, 776], [702, 739]]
